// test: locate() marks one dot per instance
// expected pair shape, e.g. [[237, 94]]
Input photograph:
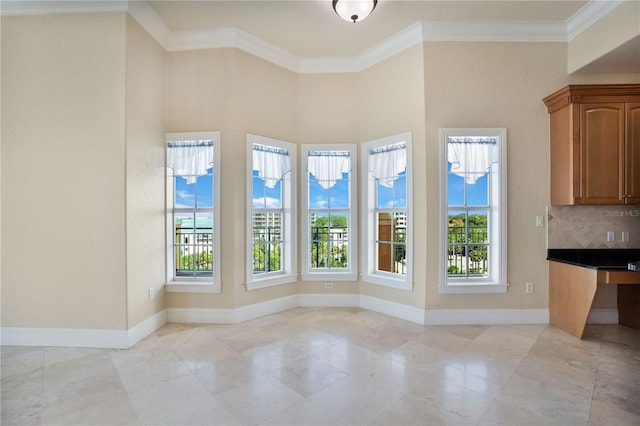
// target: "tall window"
[[387, 240], [474, 210], [328, 221], [192, 214], [272, 212]]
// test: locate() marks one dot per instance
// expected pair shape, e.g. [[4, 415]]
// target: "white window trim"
[[194, 285], [288, 257], [496, 283], [351, 274], [368, 250]]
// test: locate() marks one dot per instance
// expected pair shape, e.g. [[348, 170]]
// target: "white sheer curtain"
[[328, 166], [386, 163], [190, 159], [471, 158], [271, 163]]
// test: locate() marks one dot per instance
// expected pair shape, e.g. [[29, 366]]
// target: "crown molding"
[[425, 31], [24, 7], [591, 13]]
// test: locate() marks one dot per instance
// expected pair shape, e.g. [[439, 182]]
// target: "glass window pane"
[[273, 196], [385, 226], [477, 227], [204, 191], [318, 196], [400, 191], [185, 194], [258, 196], [478, 193], [478, 260], [385, 257], [455, 190], [339, 194], [457, 227], [339, 253], [384, 196], [400, 259]]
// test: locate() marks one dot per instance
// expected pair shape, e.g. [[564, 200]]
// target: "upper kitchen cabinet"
[[595, 144]]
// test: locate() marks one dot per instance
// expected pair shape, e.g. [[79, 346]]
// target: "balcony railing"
[[467, 251]]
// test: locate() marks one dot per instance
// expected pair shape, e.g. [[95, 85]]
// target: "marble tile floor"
[[330, 366]]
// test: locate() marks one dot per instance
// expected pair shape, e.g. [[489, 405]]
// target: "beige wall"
[[145, 173], [496, 85], [391, 101], [235, 93], [63, 178], [82, 158]]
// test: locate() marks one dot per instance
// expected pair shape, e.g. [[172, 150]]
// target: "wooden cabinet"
[[595, 144]]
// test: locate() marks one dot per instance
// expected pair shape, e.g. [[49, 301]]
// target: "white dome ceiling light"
[[354, 10]]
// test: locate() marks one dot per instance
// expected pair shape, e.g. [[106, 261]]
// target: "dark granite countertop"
[[595, 258]]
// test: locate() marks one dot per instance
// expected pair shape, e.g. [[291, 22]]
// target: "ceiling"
[[311, 29]]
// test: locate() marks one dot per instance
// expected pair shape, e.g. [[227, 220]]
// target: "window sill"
[[329, 276], [192, 287], [271, 281], [387, 281], [461, 287]]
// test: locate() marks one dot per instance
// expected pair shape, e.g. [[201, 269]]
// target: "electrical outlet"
[[625, 236], [539, 221], [328, 285], [611, 236], [150, 293], [528, 288]]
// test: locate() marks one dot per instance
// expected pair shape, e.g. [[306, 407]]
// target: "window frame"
[[193, 284], [288, 274], [351, 273], [497, 281], [369, 272]]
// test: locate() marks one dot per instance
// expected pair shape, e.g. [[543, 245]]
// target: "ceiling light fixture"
[[354, 10]]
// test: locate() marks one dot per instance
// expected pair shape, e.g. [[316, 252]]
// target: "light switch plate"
[[611, 236]]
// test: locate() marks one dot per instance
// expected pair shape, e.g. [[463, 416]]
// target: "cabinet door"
[[632, 164], [602, 153]]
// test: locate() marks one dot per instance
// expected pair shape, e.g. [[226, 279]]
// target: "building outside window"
[[329, 222], [474, 210], [387, 248], [192, 212], [271, 213]]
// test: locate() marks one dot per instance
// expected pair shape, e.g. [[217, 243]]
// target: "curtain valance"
[[471, 158], [328, 166], [271, 163], [387, 162], [190, 159]]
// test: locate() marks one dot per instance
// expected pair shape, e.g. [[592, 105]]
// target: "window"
[[329, 223], [474, 204], [193, 212], [271, 212], [386, 242]]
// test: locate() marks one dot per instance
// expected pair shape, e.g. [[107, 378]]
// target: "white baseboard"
[[146, 327], [123, 339], [65, 337], [603, 316], [82, 338], [393, 309]]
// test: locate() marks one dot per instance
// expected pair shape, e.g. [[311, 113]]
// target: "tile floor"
[[332, 367]]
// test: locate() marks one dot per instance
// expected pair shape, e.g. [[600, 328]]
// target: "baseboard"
[[393, 309], [82, 338], [146, 327], [485, 316], [65, 337], [231, 316], [603, 316]]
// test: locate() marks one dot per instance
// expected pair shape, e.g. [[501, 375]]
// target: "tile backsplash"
[[587, 226]]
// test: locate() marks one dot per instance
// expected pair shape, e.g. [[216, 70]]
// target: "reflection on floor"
[[333, 367]]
